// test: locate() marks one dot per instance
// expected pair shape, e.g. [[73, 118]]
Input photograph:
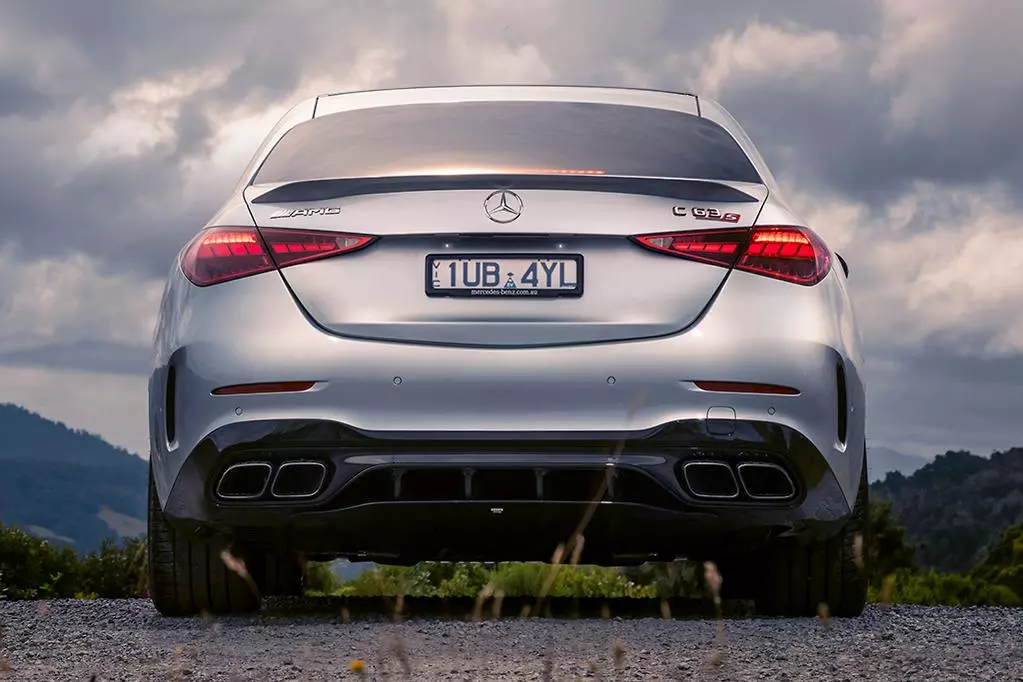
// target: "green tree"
[[1003, 564], [888, 550]]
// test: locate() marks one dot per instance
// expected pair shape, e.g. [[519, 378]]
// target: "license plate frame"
[[501, 292]]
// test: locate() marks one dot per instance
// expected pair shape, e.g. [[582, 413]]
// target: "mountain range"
[[65, 485], [881, 461], [956, 505]]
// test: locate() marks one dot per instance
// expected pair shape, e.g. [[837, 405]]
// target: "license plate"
[[505, 275]]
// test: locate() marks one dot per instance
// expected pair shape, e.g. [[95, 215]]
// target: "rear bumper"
[[474, 499], [757, 331]]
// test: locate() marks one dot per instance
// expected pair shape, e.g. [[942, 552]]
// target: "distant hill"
[[882, 460], [956, 505], [67, 486]]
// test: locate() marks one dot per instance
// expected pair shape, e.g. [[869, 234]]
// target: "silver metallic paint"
[[702, 322]]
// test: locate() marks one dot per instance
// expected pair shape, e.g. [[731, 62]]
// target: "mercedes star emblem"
[[502, 206]]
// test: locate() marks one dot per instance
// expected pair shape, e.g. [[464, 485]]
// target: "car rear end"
[[441, 322]]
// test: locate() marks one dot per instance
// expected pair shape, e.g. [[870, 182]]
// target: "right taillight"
[[792, 254], [222, 254]]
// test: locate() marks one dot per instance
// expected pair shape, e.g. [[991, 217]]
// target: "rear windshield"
[[507, 137]]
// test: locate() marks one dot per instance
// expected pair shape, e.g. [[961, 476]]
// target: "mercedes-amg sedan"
[[472, 323]]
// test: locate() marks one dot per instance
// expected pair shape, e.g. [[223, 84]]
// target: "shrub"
[[32, 568], [113, 571], [467, 579], [946, 589]]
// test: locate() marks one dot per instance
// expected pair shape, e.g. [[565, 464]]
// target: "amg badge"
[[305, 212]]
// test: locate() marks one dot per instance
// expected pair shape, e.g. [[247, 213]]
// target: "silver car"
[[472, 323]]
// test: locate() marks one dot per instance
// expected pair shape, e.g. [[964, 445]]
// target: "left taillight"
[[222, 254], [789, 253]]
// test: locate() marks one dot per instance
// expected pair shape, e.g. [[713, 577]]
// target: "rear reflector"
[[743, 387], [792, 254], [277, 387], [222, 254]]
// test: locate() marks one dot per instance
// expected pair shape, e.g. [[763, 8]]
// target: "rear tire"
[[187, 576], [281, 575], [800, 578]]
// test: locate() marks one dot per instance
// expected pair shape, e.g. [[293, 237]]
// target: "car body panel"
[[378, 292], [393, 365]]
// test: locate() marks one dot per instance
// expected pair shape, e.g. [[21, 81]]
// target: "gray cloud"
[[886, 107], [937, 399], [90, 356]]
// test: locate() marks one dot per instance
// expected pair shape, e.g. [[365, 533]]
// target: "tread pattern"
[[187, 576], [801, 577], [282, 575]]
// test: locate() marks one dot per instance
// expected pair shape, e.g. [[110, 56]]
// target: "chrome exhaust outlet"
[[298, 480], [710, 480], [766, 481], [244, 481]]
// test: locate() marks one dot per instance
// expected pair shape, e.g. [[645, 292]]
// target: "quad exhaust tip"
[[253, 480], [710, 480], [765, 481], [717, 480], [244, 481], [298, 480]]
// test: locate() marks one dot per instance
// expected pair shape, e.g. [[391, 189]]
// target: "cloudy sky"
[[894, 126]]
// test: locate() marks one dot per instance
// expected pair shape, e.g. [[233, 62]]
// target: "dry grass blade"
[[618, 655], [498, 602], [552, 575], [142, 587], [177, 662], [665, 609], [575, 544], [358, 666], [858, 550], [712, 577], [824, 614], [548, 667], [398, 650], [399, 608], [887, 588], [481, 598], [237, 565], [577, 549]]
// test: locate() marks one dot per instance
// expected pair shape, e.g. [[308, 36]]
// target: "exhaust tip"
[[710, 480], [766, 481], [296, 480], [244, 481]]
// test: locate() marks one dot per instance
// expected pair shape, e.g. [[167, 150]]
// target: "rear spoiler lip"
[[690, 189]]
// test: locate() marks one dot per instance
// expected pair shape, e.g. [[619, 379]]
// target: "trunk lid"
[[627, 292]]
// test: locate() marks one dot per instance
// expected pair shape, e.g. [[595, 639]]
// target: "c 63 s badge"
[[701, 213], [304, 212]]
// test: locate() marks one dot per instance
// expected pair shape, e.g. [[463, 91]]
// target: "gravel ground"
[[127, 640]]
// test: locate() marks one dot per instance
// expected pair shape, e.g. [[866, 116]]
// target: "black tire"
[[187, 576], [799, 578], [281, 575]]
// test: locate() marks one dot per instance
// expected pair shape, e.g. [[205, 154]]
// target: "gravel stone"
[[128, 640]]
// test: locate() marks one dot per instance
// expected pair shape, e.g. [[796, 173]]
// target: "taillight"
[[221, 254], [720, 247], [792, 254], [289, 247]]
